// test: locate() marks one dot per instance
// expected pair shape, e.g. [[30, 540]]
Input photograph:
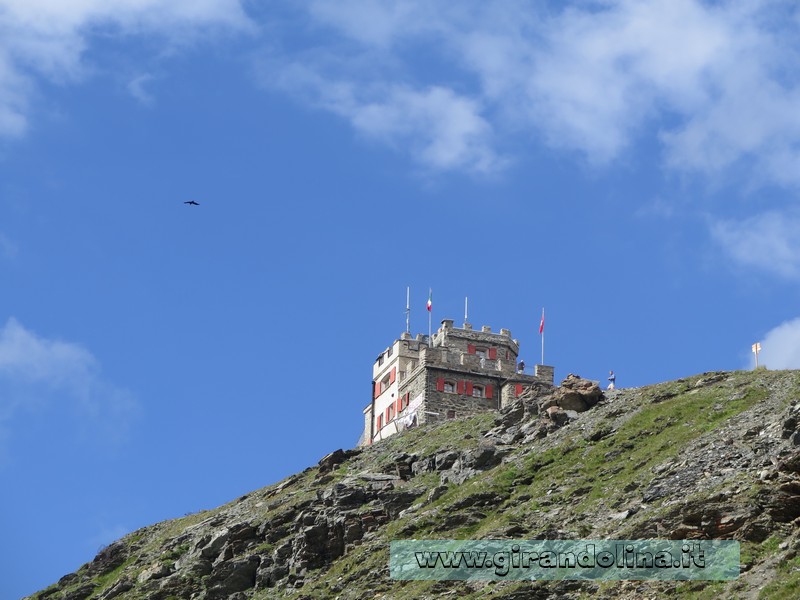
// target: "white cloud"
[[137, 88], [781, 346], [768, 242], [438, 127], [48, 38], [714, 82], [600, 75], [36, 373]]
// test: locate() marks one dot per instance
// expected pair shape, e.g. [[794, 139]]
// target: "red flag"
[[541, 325], [430, 299]]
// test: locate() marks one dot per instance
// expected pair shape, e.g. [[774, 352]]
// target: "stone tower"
[[457, 372]]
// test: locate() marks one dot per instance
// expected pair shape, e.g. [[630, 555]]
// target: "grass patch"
[[787, 583], [106, 580], [657, 432]]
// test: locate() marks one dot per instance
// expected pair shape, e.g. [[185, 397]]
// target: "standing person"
[[521, 366], [611, 380]]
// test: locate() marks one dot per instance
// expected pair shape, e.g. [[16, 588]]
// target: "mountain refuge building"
[[454, 372]]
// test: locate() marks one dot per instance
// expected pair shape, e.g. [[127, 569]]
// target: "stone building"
[[456, 372]]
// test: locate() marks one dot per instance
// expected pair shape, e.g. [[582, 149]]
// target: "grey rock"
[[81, 593], [445, 460], [232, 576]]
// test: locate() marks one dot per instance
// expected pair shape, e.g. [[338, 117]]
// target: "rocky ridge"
[[714, 456]]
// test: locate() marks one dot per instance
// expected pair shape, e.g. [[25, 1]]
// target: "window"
[[389, 351], [449, 387], [481, 352], [380, 360], [477, 391], [451, 414], [385, 383]]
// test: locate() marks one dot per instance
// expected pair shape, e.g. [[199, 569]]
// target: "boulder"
[[329, 461], [483, 457], [576, 393]]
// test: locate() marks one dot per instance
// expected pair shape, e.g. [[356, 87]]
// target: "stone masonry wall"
[[442, 402]]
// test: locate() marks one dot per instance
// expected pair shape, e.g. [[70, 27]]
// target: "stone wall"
[[545, 373], [460, 404]]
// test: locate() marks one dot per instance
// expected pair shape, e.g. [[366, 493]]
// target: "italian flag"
[[541, 325], [430, 299]]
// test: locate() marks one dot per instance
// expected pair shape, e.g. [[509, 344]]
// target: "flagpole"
[[408, 309], [465, 310], [430, 310], [541, 331]]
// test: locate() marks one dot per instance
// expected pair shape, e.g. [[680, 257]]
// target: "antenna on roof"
[[408, 309], [465, 310]]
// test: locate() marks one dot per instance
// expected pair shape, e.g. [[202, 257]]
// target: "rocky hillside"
[[714, 456]]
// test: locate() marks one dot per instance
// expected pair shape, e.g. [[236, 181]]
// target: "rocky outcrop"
[[543, 409], [710, 457]]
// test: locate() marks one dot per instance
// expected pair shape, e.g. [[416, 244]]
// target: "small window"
[[481, 352], [451, 414], [389, 351], [380, 360], [449, 387], [477, 391], [385, 383]]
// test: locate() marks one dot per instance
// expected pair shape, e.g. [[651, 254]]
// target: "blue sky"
[[632, 166]]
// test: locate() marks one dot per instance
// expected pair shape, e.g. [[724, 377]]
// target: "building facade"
[[455, 372]]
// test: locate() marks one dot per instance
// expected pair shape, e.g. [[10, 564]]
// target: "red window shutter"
[[470, 349], [393, 375], [508, 355], [489, 391], [439, 384], [375, 389], [388, 413], [405, 399], [380, 422], [469, 388], [399, 405], [492, 353], [518, 390], [460, 387]]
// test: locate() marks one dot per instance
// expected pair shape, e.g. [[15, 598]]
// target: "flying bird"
[[192, 202]]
